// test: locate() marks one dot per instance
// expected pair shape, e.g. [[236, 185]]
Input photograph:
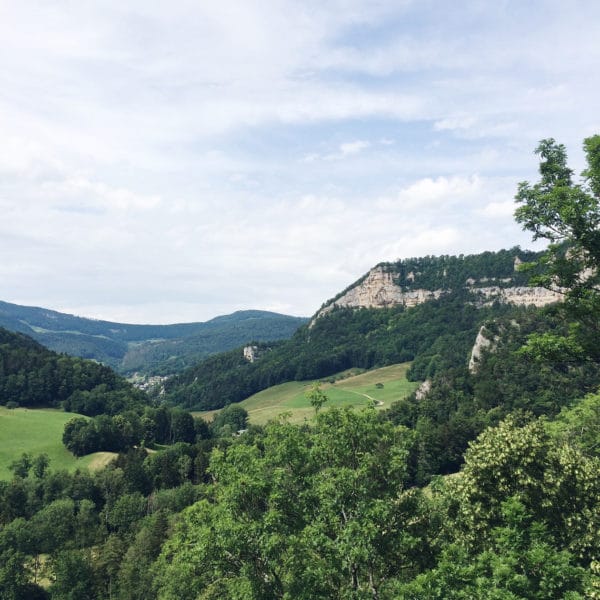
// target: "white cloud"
[[438, 192], [151, 156], [349, 148], [499, 209]]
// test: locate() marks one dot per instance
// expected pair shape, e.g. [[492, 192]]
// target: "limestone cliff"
[[520, 295], [380, 289], [483, 341]]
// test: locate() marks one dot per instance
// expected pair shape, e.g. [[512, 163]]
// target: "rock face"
[[251, 353], [379, 290], [423, 390], [522, 296], [483, 341]]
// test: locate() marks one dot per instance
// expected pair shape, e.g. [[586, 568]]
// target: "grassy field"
[[36, 431], [348, 390]]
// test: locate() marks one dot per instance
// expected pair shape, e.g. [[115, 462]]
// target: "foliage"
[[230, 420], [33, 376], [317, 397], [127, 429], [568, 216], [579, 425], [315, 513]]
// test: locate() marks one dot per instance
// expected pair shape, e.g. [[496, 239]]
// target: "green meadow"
[[352, 388], [39, 431]]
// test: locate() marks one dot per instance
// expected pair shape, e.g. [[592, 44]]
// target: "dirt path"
[[377, 402]]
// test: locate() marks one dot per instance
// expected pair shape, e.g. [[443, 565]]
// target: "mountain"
[[162, 349], [403, 311]]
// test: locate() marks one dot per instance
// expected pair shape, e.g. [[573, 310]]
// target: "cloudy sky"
[[173, 161]]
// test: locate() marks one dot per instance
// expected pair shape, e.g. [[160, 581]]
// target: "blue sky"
[[164, 162]]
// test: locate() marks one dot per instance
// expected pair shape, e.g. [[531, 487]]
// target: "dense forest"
[[486, 486], [31, 375]]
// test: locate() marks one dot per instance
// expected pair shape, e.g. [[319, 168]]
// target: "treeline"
[[452, 272], [128, 429], [339, 340], [149, 426], [31, 375]]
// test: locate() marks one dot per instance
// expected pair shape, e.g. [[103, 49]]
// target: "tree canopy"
[[567, 215]]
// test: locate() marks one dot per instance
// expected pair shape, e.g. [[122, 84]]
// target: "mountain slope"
[[369, 328], [148, 348]]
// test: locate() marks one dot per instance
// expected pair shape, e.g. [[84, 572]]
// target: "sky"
[[168, 162]]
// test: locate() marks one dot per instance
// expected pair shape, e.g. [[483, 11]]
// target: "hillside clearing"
[[345, 389], [39, 431]]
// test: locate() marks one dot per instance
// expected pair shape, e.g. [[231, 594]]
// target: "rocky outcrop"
[[251, 353], [423, 390], [483, 341], [378, 290], [522, 296]]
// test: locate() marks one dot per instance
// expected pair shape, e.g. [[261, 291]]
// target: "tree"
[[518, 562], [79, 436], [40, 465], [182, 426], [567, 215], [557, 485], [231, 419], [20, 467], [74, 577], [13, 575], [316, 396], [302, 513], [135, 582]]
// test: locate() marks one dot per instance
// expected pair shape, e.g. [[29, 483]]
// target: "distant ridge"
[[163, 349]]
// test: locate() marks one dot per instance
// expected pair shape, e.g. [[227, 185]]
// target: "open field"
[[350, 390], [36, 431]]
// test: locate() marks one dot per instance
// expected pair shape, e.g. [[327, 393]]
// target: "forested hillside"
[[31, 375], [151, 349]]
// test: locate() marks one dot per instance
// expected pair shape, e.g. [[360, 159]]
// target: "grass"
[[37, 431], [349, 389]]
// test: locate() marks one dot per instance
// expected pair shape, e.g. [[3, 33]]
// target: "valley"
[[146, 349]]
